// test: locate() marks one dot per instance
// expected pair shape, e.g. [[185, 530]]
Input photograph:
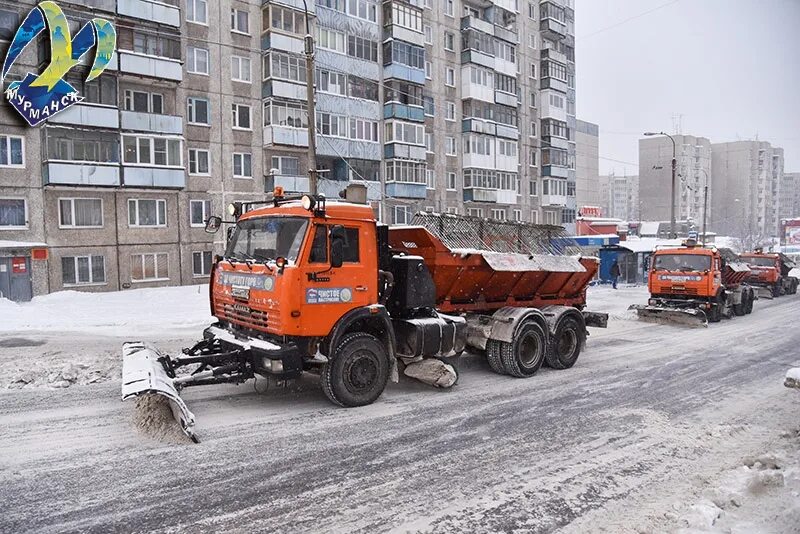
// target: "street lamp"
[[672, 232], [705, 203], [312, 122]]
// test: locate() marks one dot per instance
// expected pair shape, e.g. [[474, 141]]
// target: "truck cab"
[[770, 271]]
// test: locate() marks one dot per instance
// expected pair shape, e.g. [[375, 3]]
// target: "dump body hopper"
[[480, 280]]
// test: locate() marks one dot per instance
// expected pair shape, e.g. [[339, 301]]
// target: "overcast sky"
[[731, 68]]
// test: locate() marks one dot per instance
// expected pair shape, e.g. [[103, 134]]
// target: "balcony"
[[481, 161], [474, 23], [507, 131], [396, 110], [505, 67], [553, 29], [284, 135], [403, 151], [507, 163], [153, 177], [154, 67], [479, 58], [478, 126], [551, 54], [290, 184], [159, 12], [406, 190], [94, 116], [339, 147], [555, 142], [553, 200], [555, 171], [508, 5], [280, 41], [81, 173], [151, 122], [398, 71], [393, 31], [507, 99], [332, 188], [555, 84], [479, 194], [283, 89], [474, 90]]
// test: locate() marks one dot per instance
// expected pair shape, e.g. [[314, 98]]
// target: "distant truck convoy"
[[312, 285], [695, 285], [769, 271]]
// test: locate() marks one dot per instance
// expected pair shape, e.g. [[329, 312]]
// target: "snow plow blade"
[[662, 315], [143, 372]]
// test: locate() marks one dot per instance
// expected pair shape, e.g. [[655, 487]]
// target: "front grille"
[[685, 290], [245, 317]]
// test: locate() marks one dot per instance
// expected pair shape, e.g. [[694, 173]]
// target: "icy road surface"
[[657, 428]]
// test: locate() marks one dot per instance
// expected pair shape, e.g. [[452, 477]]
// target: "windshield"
[[760, 261], [267, 238], [682, 262]]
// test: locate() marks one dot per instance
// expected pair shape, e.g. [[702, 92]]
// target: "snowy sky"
[[731, 68]]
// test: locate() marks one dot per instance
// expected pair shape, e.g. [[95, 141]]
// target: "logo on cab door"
[[328, 295]]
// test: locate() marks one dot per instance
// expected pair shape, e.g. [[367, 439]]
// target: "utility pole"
[[705, 205], [312, 120], [672, 232]]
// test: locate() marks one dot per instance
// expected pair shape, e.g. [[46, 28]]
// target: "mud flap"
[[661, 315], [764, 293], [143, 372]]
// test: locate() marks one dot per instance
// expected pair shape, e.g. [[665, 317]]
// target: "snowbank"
[[136, 312], [615, 302]]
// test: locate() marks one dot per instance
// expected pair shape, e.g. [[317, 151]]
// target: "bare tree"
[[749, 236]]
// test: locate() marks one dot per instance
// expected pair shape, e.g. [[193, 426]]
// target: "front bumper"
[[266, 357]]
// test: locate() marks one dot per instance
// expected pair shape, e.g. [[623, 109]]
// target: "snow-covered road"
[[648, 424]]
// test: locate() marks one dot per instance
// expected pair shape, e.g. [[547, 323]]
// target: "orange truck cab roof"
[[333, 210]]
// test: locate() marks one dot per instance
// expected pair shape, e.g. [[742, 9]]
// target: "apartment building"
[[746, 194], [445, 105], [619, 197], [693, 157], [587, 164], [790, 196]]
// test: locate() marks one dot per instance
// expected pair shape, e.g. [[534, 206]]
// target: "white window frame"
[[129, 95], [428, 70], [452, 179], [235, 19], [152, 139], [428, 31], [158, 201], [475, 212], [27, 214], [191, 60], [191, 114], [91, 281], [450, 142], [195, 3], [518, 215], [430, 180], [450, 36], [408, 215], [235, 107], [450, 77], [155, 266], [202, 256], [450, 111], [499, 214], [72, 213], [197, 172], [8, 151], [236, 73], [206, 203], [242, 155]]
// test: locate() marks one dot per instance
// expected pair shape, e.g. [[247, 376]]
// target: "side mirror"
[[213, 224], [337, 246]]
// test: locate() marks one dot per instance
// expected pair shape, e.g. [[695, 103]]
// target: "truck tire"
[[565, 344], [776, 289], [357, 373], [741, 308], [715, 313], [748, 308], [526, 353], [494, 356]]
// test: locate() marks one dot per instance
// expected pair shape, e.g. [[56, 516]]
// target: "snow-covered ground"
[[656, 429]]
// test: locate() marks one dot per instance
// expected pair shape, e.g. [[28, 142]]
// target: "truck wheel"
[[793, 290], [740, 309], [748, 308], [358, 372], [525, 354], [565, 345], [494, 356], [715, 313], [776, 290]]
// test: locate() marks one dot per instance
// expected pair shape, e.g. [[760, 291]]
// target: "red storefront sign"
[[18, 265]]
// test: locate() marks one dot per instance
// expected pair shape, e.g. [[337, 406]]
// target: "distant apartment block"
[[587, 164], [619, 196]]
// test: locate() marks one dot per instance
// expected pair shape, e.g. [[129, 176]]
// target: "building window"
[[201, 263], [363, 9], [285, 113], [363, 130], [405, 132], [535, 216], [156, 45], [286, 166], [240, 21], [362, 48], [450, 77], [241, 69], [405, 171], [152, 151], [428, 4], [199, 212], [331, 40], [451, 181], [81, 145], [449, 40], [336, 5], [11, 151], [241, 117], [475, 212], [451, 111], [149, 267], [499, 214], [450, 146], [429, 142], [80, 213], [534, 187], [330, 82], [448, 8], [453, 210], [242, 165], [533, 70], [83, 270], [402, 215], [430, 108], [197, 11], [197, 60], [144, 102], [550, 217], [332, 124], [199, 161], [13, 214], [428, 70], [147, 212], [518, 215], [284, 66], [428, 34], [430, 179], [362, 88], [197, 111]]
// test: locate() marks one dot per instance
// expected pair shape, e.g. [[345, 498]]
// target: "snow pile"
[[138, 312], [153, 417], [42, 374], [615, 302], [792, 378]]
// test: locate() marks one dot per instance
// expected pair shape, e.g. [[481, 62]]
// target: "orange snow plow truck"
[[695, 285], [769, 272], [309, 285]]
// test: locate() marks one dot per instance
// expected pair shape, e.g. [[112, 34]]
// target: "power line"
[[620, 23]]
